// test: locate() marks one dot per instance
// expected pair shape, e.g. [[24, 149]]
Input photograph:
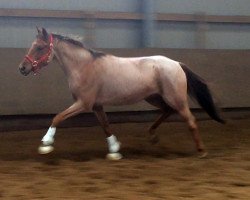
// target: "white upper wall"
[[96, 5], [19, 32], [211, 7]]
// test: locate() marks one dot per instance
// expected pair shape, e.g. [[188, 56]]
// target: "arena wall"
[[212, 37], [227, 72]]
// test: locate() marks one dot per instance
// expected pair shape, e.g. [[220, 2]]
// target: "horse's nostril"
[[23, 68]]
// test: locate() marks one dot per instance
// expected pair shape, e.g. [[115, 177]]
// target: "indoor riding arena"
[[210, 37]]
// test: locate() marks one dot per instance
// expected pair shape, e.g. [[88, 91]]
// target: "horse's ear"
[[38, 30], [45, 34]]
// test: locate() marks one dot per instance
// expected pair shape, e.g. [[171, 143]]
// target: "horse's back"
[[165, 68]]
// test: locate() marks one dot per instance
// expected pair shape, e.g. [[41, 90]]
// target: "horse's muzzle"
[[23, 70]]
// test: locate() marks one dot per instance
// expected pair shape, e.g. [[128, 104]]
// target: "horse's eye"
[[39, 48]]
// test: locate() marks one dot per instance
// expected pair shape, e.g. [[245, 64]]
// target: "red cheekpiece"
[[45, 58]]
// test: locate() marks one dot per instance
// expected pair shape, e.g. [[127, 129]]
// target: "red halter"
[[44, 59]]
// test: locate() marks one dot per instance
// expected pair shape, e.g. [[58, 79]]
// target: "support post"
[[148, 23]]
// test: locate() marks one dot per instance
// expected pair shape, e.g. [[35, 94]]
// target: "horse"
[[97, 79]]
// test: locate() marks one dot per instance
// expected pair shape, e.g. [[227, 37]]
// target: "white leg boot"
[[114, 147], [48, 138], [47, 141]]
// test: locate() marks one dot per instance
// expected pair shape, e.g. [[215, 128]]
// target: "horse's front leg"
[[48, 139], [113, 143]]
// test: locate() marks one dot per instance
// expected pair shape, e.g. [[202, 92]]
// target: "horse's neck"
[[72, 59]]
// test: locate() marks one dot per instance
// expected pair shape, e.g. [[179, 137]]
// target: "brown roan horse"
[[97, 79]]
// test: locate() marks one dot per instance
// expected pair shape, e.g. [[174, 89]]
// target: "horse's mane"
[[94, 53]]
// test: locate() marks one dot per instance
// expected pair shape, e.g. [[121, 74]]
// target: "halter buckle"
[[35, 63]]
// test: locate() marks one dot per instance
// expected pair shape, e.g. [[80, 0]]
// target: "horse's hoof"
[[202, 154], [45, 149], [114, 156], [154, 139]]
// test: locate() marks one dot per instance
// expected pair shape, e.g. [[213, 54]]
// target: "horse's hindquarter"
[[127, 80]]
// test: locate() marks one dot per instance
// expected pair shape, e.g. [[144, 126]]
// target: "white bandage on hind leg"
[[48, 139], [114, 145]]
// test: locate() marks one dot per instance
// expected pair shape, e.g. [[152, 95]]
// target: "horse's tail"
[[198, 89]]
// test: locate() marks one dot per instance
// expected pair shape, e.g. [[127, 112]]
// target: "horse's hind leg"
[[174, 92], [191, 121], [152, 130], [157, 101], [113, 143]]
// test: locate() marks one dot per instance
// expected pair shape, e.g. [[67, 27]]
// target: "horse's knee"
[[56, 120]]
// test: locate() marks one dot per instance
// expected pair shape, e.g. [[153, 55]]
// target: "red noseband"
[[36, 64]]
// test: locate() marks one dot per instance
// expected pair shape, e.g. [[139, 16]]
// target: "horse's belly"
[[116, 101]]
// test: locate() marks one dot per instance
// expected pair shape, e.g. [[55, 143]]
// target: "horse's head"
[[39, 54]]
